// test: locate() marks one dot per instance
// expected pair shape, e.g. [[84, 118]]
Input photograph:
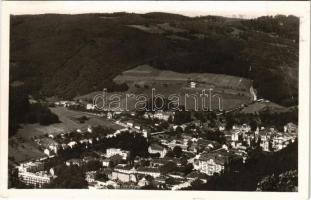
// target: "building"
[[291, 128], [158, 162], [163, 115], [124, 168], [72, 144], [154, 172], [143, 182], [113, 151], [90, 176], [74, 161], [90, 106], [109, 115], [156, 148], [37, 179], [192, 84], [106, 162], [123, 177], [31, 167], [130, 124], [210, 163]]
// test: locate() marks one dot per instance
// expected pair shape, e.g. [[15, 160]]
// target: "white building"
[[36, 179], [72, 143], [163, 115], [210, 163], [90, 106], [192, 84], [113, 151]]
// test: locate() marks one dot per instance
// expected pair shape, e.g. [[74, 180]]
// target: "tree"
[[285, 182], [69, 177], [93, 165], [177, 151], [178, 130], [253, 125]]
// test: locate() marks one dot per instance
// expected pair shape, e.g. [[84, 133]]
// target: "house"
[[210, 163], [163, 115], [154, 172], [72, 143], [235, 135], [176, 175], [74, 161], [181, 185], [137, 127], [47, 152], [90, 176], [113, 151], [156, 148], [221, 127], [291, 128], [123, 177], [64, 146], [124, 168], [130, 124], [143, 182], [158, 162], [106, 162], [103, 184], [178, 143], [84, 141], [192, 84], [90, 106], [244, 128], [109, 115]]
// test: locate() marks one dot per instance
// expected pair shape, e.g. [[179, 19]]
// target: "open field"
[[234, 91], [262, 106], [149, 74]]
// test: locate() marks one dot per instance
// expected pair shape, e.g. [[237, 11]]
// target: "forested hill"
[[70, 55]]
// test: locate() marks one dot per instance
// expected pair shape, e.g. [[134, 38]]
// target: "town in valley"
[[246, 139]]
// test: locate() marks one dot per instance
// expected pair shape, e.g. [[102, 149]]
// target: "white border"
[[251, 9]]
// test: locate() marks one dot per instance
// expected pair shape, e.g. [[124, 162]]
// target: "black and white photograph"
[[159, 99]]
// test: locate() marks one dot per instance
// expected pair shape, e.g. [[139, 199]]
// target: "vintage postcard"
[[129, 100]]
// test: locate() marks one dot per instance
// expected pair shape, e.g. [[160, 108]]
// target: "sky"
[[190, 8]]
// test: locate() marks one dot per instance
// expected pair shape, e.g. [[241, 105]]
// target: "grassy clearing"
[[21, 146]]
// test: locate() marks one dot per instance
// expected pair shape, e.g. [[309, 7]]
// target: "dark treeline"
[[133, 142], [21, 111], [285, 26]]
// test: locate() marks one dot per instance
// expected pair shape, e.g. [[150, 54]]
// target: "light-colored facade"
[[31, 167], [123, 177], [113, 151], [35, 179]]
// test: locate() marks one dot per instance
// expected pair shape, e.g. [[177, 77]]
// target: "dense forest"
[[22, 112], [70, 55]]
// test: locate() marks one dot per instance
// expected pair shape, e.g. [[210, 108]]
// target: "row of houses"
[[270, 139]]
